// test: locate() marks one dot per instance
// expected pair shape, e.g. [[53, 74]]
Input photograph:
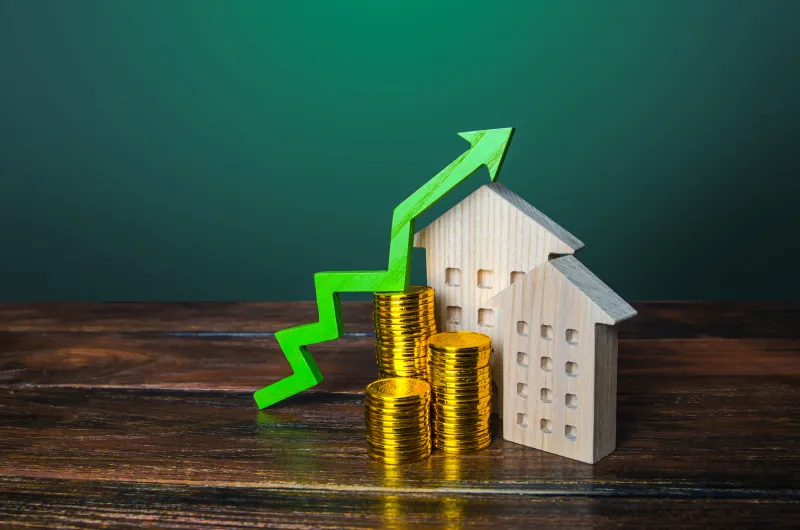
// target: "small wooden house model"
[[477, 249], [560, 374]]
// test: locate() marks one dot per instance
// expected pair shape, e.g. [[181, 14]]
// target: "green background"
[[218, 150]]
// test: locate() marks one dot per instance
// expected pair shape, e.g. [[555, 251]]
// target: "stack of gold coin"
[[397, 414], [460, 376], [403, 322]]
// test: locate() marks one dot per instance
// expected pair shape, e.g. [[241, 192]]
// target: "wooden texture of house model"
[[501, 267]]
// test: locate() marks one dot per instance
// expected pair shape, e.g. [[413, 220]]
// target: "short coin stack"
[[460, 376], [403, 322], [397, 414]]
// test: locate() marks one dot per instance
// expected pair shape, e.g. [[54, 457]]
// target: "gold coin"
[[394, 423], [474, 357], [392, 306], [461, 411], [401, 355], [421, 311], [462, 446], [399, 438], [411, 291], [469, 438], [476, 390], [469, 427], [414, 290], [477, 374], [399, 461], [392, 458], [394, 418], [400, 457], [462, 401], [398, 406], [461, 449], [458, 384], [391, 440], [460, 375], [398, 389], [461, 363], [399, 451], [460, 341]]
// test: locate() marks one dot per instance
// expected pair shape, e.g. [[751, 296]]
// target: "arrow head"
[[491, 145]]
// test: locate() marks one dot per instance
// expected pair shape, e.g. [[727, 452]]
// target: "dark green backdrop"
[[211, 149]]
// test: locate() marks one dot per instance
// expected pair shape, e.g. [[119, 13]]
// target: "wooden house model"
[[501, 267], [560, 374], [477, 249]]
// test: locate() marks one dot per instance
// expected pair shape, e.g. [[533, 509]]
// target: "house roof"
[[609, 302], [527, 210], [598, 292]]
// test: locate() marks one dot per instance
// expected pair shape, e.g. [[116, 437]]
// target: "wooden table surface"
[[141, 415]]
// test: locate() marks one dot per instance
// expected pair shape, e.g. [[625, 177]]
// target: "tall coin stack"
[[397, 414], [403, 322], [460, 376]]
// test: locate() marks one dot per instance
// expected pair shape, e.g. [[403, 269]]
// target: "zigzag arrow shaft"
[[488, 148]]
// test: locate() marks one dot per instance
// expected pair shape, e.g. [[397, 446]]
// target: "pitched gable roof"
[[524, 208], [593, 287], [609, 302]]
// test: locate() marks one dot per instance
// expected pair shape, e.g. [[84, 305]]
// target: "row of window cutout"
[[486, 319], [546, 395], [546, 364], [485, 280], [546, 426]]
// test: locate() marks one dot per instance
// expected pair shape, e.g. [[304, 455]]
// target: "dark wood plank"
[[702, 319], [141, 414], [248, 363], [175, 362], [241, 317], [655, 320], [54, 503], [736, 442]]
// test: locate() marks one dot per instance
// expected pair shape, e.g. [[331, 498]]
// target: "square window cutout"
[[546, 426], [547, 332], [572, 337], [453, 314], [522, 358], [546, 363], [452, 277], [572, 401], [571, 433], [523, 328], [547, 395], [486, 318], [485, 279], [571, 369], [522, 390], [516, 276], [522, 420]]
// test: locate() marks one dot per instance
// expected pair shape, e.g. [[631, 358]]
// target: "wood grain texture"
[[146, 419], [672, 445], [94, 360], [61, 503], [176, 317]]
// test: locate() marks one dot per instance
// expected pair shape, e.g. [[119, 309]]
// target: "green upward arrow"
[[488, 148]]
